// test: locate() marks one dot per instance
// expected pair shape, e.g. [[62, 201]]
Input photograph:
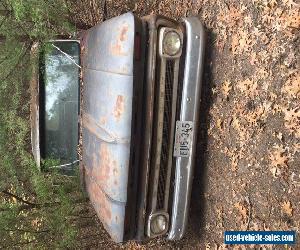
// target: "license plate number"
[[183, 138]]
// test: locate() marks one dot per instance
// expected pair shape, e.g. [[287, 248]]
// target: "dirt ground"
[[247, 175]]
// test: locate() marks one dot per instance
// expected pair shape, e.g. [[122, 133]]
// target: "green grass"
[[35, 206]]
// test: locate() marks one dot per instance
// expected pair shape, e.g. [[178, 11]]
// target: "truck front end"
[[142, 83]]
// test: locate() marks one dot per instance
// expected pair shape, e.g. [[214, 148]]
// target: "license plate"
[[183, 138]]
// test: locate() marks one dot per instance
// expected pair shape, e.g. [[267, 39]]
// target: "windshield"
[[61, 101]]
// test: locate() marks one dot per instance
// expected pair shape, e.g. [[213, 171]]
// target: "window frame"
[[42, 104]]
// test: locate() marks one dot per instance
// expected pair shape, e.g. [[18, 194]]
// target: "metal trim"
[[35, 107], [153, 22], [157, 169], [151, 217], [162, 32], [41, 95], [189, 112], [64, 40]]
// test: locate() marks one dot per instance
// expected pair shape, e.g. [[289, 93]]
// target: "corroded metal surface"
[[110, 46], [111, 212], [106, 118]]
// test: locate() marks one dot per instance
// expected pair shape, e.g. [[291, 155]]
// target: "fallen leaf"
[[291, 120], [242, 210], [289, 3], [287, 208], [243, 86], [278, 157], [220, 124], [291, 19], [292, 86], [279, 136], [226, 87], [247, 86]]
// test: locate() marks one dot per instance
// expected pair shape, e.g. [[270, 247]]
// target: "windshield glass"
[[61, 101]]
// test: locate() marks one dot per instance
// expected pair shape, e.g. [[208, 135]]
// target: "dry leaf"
[[231, 18], [234, 14], [220, 124], [234, 162], [296, 148], [234, 44], [278, 157], [287, 208], [207, 246], [291, 19], [244, 41], [291, 120], [242, 209], [290, 3], [245, 85], [258, 114], [248, 87], [234, 156], [292, 86], [272, 3], [226, 87], [236, 123], [279, 136], [262, 73]]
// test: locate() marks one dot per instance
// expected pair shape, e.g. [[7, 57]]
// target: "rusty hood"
[[107, 58]]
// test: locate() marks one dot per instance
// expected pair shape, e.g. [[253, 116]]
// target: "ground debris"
[[250, 116]]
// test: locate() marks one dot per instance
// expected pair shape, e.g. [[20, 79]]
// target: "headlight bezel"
[[163, 33], [152, 228]]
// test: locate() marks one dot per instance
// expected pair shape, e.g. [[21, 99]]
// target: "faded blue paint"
[[107, 113]]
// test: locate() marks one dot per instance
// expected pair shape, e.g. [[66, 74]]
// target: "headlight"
[[158, 224], [171, 43]]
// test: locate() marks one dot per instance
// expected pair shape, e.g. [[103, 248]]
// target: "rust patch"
[[99, 200], [116, 48], [99, 131], [84, 45], [123, 33], [103, 120], [104, 164], [119, 107], [107, 172]]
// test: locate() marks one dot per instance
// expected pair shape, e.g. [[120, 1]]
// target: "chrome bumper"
[[189, 112]]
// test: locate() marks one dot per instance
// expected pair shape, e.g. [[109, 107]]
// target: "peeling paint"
[[119, 107], [117, 47], [123, 33]]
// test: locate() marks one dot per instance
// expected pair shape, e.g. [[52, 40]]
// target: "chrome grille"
[[165, 112], [163, 172], [164, 116]]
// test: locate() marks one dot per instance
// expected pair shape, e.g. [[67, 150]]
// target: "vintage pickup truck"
[[139, 116]]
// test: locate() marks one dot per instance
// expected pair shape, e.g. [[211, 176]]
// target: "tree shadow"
[[197, 216]]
